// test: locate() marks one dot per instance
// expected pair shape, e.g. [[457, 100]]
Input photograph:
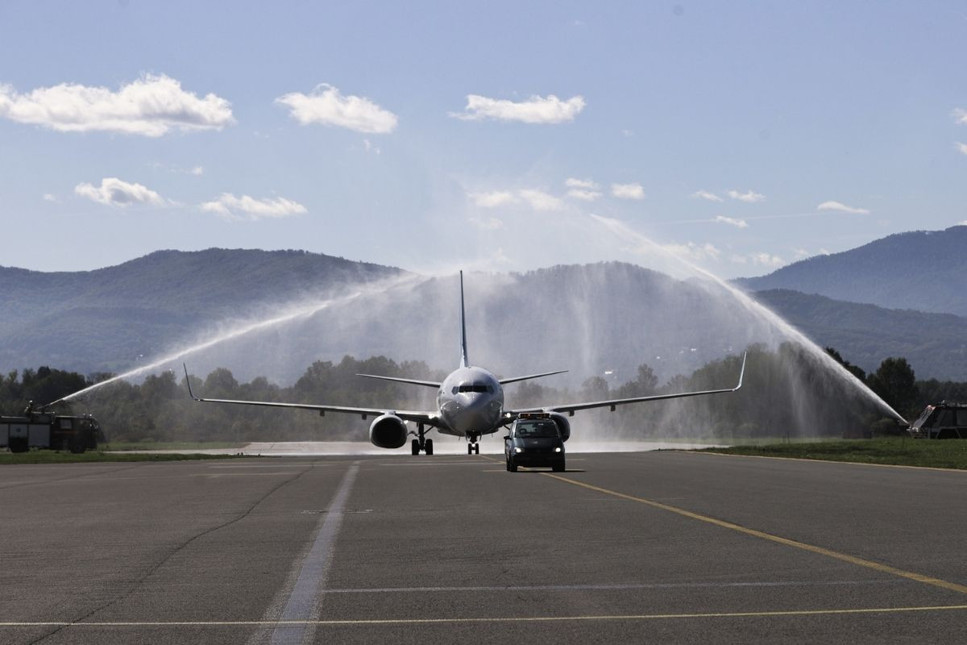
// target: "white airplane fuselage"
[[471, 402]]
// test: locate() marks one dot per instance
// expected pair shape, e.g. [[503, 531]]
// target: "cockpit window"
[[474, 387]]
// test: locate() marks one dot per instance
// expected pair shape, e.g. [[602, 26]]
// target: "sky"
[[499, 136]]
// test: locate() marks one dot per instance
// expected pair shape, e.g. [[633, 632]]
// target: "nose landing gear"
[[473, 448]]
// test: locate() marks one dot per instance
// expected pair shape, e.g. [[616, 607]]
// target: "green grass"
[[948, 453], [53, 457]]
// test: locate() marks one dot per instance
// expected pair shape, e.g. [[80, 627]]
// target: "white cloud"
[[327, 106], [707, 196], [493, 199], [539, 200], [694, 251], [150, 106], [767, 260], [749, 197], [582, 189], [536, 199], [486, 223], [962, 147], [585, 184], [114, 192], [759, 259], [960, 116], [197, 171], [842, 208], [230, 207], [48, 197], [584, 195], [534, 110], [738, 223], [628, 191]]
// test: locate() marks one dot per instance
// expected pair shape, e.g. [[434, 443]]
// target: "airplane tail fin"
[[464, 362]]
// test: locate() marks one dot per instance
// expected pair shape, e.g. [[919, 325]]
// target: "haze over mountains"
[[602, 319]]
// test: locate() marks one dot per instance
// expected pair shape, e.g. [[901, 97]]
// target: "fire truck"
[[47, 430]]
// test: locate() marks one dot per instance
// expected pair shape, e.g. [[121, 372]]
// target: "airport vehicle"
[[47, 430], [534, 440], [941, 421], [470, 404]]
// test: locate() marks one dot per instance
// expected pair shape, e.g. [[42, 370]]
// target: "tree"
[[855, 370], [895, 382]]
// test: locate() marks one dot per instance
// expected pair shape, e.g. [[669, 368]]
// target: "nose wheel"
[[473, 448]]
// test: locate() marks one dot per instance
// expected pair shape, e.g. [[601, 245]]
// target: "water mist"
[[756, 310]]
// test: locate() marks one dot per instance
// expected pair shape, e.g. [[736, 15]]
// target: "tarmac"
[[660, 546]]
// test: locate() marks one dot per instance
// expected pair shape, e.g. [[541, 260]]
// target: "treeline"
[[788, 392]]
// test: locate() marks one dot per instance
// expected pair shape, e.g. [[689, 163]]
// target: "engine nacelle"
[[388, 431], [563, 425]]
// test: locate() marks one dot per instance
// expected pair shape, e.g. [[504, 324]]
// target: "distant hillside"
[[934, 344], [108, 319], [923, 271], [595, 320], [592, 320]]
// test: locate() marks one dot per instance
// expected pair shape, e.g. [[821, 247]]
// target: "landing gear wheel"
[[428, 448], [476, 448], [415, 447]]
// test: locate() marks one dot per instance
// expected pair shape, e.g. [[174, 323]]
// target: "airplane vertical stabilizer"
[[463, 326]]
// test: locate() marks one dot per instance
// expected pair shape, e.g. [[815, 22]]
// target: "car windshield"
[[537, 430]]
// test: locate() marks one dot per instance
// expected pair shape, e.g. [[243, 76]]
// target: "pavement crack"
[[174, 551]]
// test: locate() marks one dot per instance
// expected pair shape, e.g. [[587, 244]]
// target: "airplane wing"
[[418, 416], [571, 408]]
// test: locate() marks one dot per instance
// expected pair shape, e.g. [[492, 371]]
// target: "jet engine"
[[563, 425], [388, 431]]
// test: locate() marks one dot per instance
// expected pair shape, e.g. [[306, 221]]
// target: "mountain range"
[[921, 270], [888, 298]]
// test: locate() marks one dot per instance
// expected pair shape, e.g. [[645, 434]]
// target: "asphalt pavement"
[[624, 547]]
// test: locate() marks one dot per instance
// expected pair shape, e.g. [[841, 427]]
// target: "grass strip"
[[924, 453]]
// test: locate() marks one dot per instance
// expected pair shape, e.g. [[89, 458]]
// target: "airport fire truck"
[[48, 430]]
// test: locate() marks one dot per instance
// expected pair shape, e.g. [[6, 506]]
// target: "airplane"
[[470, 404]]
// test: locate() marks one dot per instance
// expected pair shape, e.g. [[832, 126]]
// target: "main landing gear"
[[473, 448], [421, 444]]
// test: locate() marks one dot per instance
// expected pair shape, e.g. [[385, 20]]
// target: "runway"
[[624, 547]]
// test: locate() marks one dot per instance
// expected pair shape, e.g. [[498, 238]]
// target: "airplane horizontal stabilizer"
[[411, 381], [505, 381]]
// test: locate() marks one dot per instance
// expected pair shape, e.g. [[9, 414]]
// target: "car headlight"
[[518, 449], [558, 449]]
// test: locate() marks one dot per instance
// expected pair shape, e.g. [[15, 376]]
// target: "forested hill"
[[934, 344], [104, 319], [922, 270]]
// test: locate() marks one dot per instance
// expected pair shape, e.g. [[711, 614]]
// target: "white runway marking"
[[296, 622]]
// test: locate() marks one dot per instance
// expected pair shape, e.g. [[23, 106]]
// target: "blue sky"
[[435, 135]]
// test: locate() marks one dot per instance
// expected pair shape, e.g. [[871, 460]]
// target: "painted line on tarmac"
[[845, 557], [296, 621], [615, 587], [497, 619]]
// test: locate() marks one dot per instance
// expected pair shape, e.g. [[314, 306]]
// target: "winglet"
[[741, 372], [464, 362], [188, 382]]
